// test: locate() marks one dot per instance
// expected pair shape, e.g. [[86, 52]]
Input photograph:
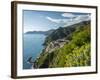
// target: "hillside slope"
[[67, 47]]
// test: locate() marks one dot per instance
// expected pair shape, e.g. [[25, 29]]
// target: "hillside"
[[66, 47]]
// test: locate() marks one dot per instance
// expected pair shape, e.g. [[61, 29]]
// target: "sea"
[[32, 47]]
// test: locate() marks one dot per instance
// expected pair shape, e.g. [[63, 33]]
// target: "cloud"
[[68, 15], [70, 18], [56, 20], [82, 18], [53, 20], [79, 18]]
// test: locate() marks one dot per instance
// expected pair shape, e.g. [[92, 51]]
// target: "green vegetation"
[[74, 53]]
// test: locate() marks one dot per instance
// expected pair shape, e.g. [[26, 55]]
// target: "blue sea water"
[[32, 47]]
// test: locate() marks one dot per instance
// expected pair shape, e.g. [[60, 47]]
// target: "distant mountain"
[[40, 32], [35, 32]]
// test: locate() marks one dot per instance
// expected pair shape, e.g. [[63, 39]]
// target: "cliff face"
[[66, 47]]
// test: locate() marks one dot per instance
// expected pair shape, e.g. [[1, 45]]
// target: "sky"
[[46, 20]]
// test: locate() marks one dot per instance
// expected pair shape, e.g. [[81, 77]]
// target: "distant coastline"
[[40, 32], [35, 32]]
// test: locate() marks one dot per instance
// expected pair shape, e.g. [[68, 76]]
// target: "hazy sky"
[[46, 20]]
